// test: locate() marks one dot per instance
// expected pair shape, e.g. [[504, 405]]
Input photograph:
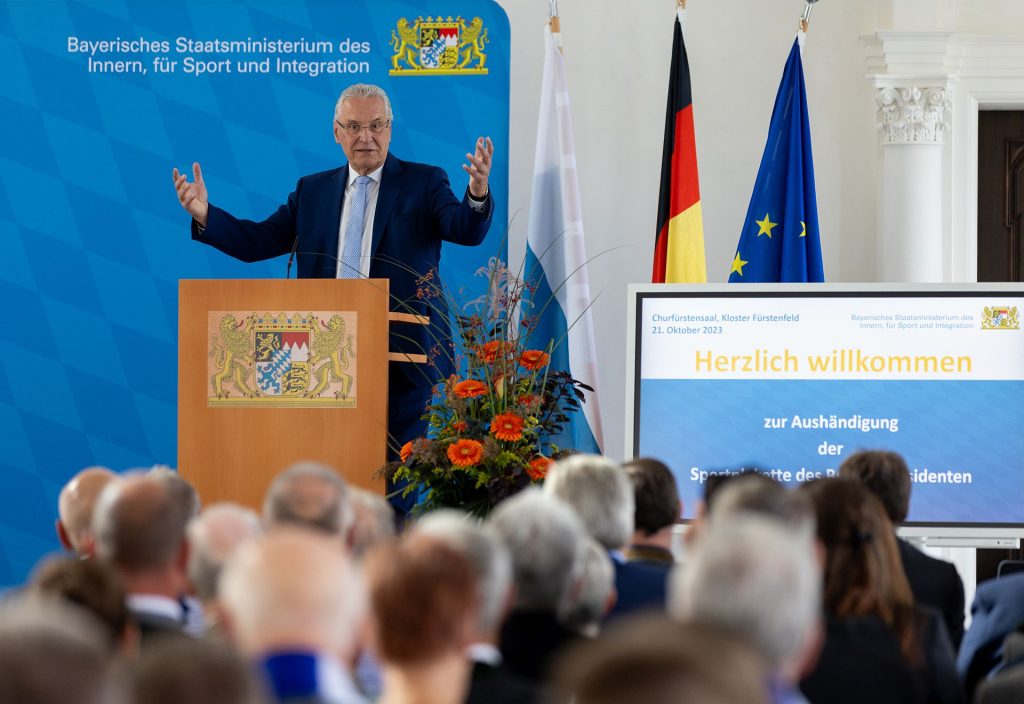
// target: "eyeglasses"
[[354, 129]]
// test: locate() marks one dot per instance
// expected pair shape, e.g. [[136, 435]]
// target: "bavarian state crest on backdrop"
[[439, 46], [282, 359]]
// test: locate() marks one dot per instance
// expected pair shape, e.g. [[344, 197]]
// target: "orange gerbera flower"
[[460, 426], [507, 426], [488, 352], [527, 399], [465, 453], [538, 467], [406, 452], [534, 359], [470, 388]]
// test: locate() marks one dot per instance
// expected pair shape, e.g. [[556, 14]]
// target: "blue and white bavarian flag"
[[779, 240], [556, 256]]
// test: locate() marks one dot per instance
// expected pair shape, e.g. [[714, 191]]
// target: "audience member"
[[140, 531], [595, 597], [491, 682], [292, 602], [878, 646], [713, 485], [759, 578], [657, 511], [650, 660], [602, 496], [545, 540], [75, 508], [758, 495], [1007, 685], [309, 494], [213, 537], [373, 520], [186, 671], [93, 586], [425, 610], [51, 653], [997, 609], [935, 583]]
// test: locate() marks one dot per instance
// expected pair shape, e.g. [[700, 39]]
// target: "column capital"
[[912, 114]]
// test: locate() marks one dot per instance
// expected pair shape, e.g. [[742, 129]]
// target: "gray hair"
[[770, 500], [596, 586], [373, 520], [600, 492], [545, 539], [309, 494], [363, 90], [756, 577], [486, 555], [139, 523], [180, 488], [213, 537]]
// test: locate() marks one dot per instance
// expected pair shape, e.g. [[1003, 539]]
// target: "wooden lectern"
[[271, 372]]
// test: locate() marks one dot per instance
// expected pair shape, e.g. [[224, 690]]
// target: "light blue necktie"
[[352, 250]]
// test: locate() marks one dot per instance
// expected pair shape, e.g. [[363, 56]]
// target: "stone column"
[[912, 120]]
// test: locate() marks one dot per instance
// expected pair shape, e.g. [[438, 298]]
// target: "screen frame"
[[638, 293]]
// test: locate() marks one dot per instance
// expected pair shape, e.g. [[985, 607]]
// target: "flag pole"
[[805, 18], [555, 24]]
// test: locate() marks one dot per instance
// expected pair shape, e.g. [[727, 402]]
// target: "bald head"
[[291, 588], [139, 525], [75, 507], [308, 494]]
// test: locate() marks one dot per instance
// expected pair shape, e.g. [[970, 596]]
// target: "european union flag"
[[779, 241]]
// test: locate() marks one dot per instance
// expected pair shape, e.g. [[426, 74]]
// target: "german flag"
[[679, 250]]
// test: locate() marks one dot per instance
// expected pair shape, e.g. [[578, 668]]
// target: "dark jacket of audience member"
[[934, 582], [1007, 685], [997, 609], [879, 647]]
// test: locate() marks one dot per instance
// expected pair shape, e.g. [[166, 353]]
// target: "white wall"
[[617, 60]]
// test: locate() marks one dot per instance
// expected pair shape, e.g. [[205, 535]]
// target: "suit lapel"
[[387, 196]]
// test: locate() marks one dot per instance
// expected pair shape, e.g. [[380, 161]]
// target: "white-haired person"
[[488, 558], [601, 494], [546, 542]]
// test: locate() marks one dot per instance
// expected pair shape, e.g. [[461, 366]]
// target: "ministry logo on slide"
[[438, 46], [1000, 318]]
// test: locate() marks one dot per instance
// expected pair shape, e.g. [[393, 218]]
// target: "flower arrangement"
[[489, 427]]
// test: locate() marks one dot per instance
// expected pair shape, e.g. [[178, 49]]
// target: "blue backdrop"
[[92, 238]]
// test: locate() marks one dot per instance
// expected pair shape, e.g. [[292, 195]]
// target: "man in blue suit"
[[378, 216]]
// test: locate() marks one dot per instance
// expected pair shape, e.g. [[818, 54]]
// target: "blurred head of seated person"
[[546, 542], [373, 520], [879, 646], [650, 660], [308, 494], [213, 537], [75, 508], [758, 495], [51, 653], [180, 488], [657, 509], [595, 596], [140, 531], [934, 582], [600, 492], [713, 486], [180, 671], [94, 587], [291, 600], [491, 680], [761, 579], [424, 602]]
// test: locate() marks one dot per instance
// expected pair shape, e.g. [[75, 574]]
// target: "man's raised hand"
[[192, 196], [479, 167]]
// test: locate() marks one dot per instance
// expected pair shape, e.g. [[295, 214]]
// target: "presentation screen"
[[791, 380]]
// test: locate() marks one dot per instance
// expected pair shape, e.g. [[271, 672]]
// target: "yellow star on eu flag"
[[737, 265], [764, 227], [804, 225]]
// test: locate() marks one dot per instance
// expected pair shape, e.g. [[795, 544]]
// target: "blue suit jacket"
[[998, 608], [416, 210]]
